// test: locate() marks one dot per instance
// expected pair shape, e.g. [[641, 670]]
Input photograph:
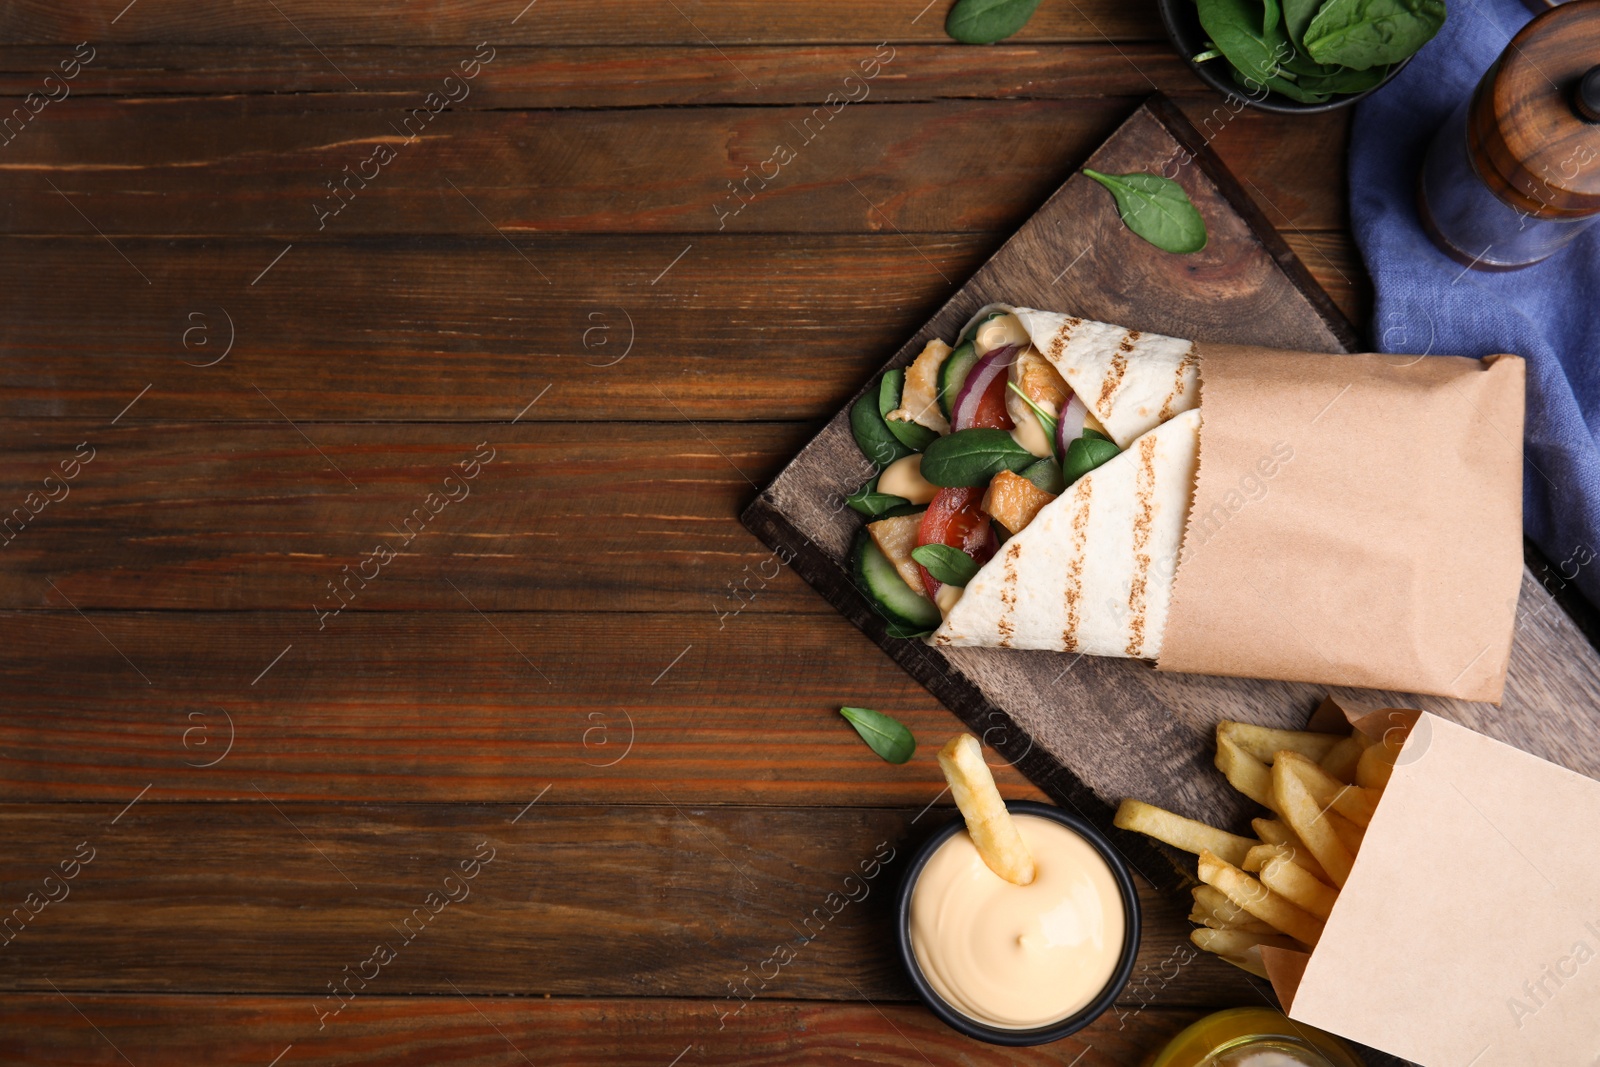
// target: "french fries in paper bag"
[[1459, 923]]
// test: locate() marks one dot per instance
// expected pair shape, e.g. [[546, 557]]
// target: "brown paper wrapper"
[[1357, 520], [1468, 932]]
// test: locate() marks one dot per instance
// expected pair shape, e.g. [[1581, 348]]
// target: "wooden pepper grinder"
[[1514, 173]]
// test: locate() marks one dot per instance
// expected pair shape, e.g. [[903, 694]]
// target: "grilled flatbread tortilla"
[[1093, 571], [1132, 381]]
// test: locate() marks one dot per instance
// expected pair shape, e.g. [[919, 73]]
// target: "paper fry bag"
[[1469, 929], [1357, 520]]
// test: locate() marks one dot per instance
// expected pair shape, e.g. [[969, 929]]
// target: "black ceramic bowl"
[[1042, 1034], [1182, 21]]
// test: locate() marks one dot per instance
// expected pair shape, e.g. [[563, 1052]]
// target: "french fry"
[[1291, 882], [1311, 824], [1244, 772], [1348, 832], [1351, 801], [1179, 832], [1377, 763], [990, 824], [1264, 743], [1213, 909], [1342, 758], [1234, 943], [1260, 901], [1277, 832]]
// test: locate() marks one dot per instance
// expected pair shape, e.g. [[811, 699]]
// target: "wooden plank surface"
[[462, 1030], [291, 23], [143, 615], [269, 897], [391, 312]]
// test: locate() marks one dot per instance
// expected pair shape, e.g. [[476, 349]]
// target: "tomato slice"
[[955, 518], [992, 413]]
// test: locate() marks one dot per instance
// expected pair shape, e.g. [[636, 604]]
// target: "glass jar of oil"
[[1253, 1037]]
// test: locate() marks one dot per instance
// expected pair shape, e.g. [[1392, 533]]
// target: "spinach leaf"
[[872, 433], [1096, 434], [988, 21], [1271, 17], [913, 435], [1084, 455], [884, 734], [1046, 420], [1343, 80], [972, 457], [1280, 85], [1234, 27], [1157, 209], [1361, 34], [873, 504], [1297, 15], [1045, 475], [947, 564]]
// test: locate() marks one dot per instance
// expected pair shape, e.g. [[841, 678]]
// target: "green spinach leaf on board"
[[884, 734], [1157, 209], [972, 457], [947, 564], [1362, 34], [988, 21]]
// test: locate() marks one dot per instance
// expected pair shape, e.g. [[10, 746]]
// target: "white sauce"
[[1011, 956]]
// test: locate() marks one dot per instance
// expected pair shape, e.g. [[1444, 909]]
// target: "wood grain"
[[440, 706], [266, 164], [290, 23], [1056, 701], [663, 898], [449, 329], [627, 76], [452, 1030], [265, 515]]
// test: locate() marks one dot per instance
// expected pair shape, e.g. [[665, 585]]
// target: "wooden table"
[[376, 578]]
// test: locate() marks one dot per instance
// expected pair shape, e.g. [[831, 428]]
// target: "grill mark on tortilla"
[[1074, 587], [1144, 517], [1058, 343], [1184, 364], [1008, 595], [1113, 378]]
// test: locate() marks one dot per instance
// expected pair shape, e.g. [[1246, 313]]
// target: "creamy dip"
[[1011, 956]]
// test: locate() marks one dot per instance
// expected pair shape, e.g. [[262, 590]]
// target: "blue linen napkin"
[[1425, 302]]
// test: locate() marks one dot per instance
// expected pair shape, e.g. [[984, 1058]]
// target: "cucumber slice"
[[906, 611], [872, 434], [1046, 475], [913, 435], [953, 374]]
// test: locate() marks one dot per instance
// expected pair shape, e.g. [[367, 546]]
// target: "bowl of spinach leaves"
[[1300, 55]]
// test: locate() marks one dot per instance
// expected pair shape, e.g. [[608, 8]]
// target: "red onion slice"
[[996, 363], [1069, 425]]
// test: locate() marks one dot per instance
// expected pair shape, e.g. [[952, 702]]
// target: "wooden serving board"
[[1089, 730]]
